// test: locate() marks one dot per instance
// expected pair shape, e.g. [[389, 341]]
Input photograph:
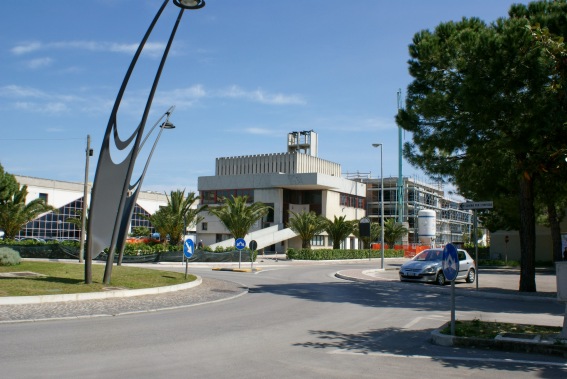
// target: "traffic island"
[[523, 343]]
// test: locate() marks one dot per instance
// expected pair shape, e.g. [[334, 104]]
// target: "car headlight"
[[429, 270]]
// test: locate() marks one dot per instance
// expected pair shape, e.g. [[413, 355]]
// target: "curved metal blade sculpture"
[[110, 197]]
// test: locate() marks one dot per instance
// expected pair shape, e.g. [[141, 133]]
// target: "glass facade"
[[59, 225]]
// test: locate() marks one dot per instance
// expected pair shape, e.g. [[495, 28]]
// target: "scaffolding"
[[451, 222]]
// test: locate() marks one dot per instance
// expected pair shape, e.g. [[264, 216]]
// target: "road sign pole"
[[188, 250], [475, 247], [452, 307], [240, 244], [186, 267]]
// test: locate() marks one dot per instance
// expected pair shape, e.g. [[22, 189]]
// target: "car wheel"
[[471, 276], [440, 278]]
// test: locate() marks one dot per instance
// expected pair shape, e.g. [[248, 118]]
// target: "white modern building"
[[295, 181], [67, 198]]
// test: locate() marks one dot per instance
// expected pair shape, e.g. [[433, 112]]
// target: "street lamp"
[[381, 206], [134, 189], [88, 154], [189, 4], [59, 222]]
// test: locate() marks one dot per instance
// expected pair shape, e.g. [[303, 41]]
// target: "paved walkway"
[[210, 290]]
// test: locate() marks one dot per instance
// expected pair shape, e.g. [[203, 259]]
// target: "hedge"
[[331, 254]]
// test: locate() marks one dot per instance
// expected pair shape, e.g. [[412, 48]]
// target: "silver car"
[[427, 266]]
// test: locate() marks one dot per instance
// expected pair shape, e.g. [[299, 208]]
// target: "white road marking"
[[418, 319]]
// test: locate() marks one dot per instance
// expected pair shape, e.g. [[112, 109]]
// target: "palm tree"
[[77, 221], [176, 216], [15, 213], [237, 216], [393, 231], [339, 229], [306, 225]]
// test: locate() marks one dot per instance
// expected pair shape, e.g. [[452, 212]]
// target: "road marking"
[[467, 359], [418, 319]]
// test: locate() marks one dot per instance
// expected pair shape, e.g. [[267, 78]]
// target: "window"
[[43, 196], [208, 197], [204, 226], [318, 241]]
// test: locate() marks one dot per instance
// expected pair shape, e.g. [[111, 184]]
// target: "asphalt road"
[[295, 322]]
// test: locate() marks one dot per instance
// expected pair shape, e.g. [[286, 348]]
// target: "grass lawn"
[[65, 278]]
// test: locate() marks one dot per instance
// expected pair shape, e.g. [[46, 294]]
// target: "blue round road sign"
[[188, 248], [450, 262], [240, 243]]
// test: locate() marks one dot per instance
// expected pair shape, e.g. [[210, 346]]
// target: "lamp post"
[[59, 222], [381, 206], [89, 153], [134, 189]]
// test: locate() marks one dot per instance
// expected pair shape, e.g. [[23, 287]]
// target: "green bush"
[[331, 254], [9, 257]]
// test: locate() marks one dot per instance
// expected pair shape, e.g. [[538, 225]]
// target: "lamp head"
[[376, 144], [167, 125], [189, 4]]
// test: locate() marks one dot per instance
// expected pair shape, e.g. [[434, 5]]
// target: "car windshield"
[[429, 255]]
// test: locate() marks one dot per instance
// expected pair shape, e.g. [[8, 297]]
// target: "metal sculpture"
[[134, 189], [109, 196]]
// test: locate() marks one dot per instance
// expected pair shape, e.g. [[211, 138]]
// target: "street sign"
[[451, 270], [253, 245], [188, 248], [476, 205], [364, 227], [240, 243], [450, 262]]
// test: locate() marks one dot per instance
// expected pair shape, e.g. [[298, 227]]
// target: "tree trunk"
[[555, 229], [527, 234]]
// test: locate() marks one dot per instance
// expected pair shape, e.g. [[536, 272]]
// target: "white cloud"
[[261, 96], [35, 64], [51, 107], [14, 91], [151, 48], [259, 131], [26, 47]]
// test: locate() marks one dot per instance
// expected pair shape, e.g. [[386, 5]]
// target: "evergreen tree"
[[485, 112]]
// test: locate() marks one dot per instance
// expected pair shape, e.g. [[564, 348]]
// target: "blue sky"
[[241, 74]]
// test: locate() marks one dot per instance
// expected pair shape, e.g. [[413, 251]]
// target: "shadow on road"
[[403, 295], [402, 343]]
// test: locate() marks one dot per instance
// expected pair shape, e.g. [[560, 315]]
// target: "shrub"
[[9, 257], [333, 254]]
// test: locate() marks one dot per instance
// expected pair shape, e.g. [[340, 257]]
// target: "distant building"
[[452, 224], [67, 197], [293, 181]]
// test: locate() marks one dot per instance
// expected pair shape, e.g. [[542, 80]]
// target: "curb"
[[515, 345], [16, 300]]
